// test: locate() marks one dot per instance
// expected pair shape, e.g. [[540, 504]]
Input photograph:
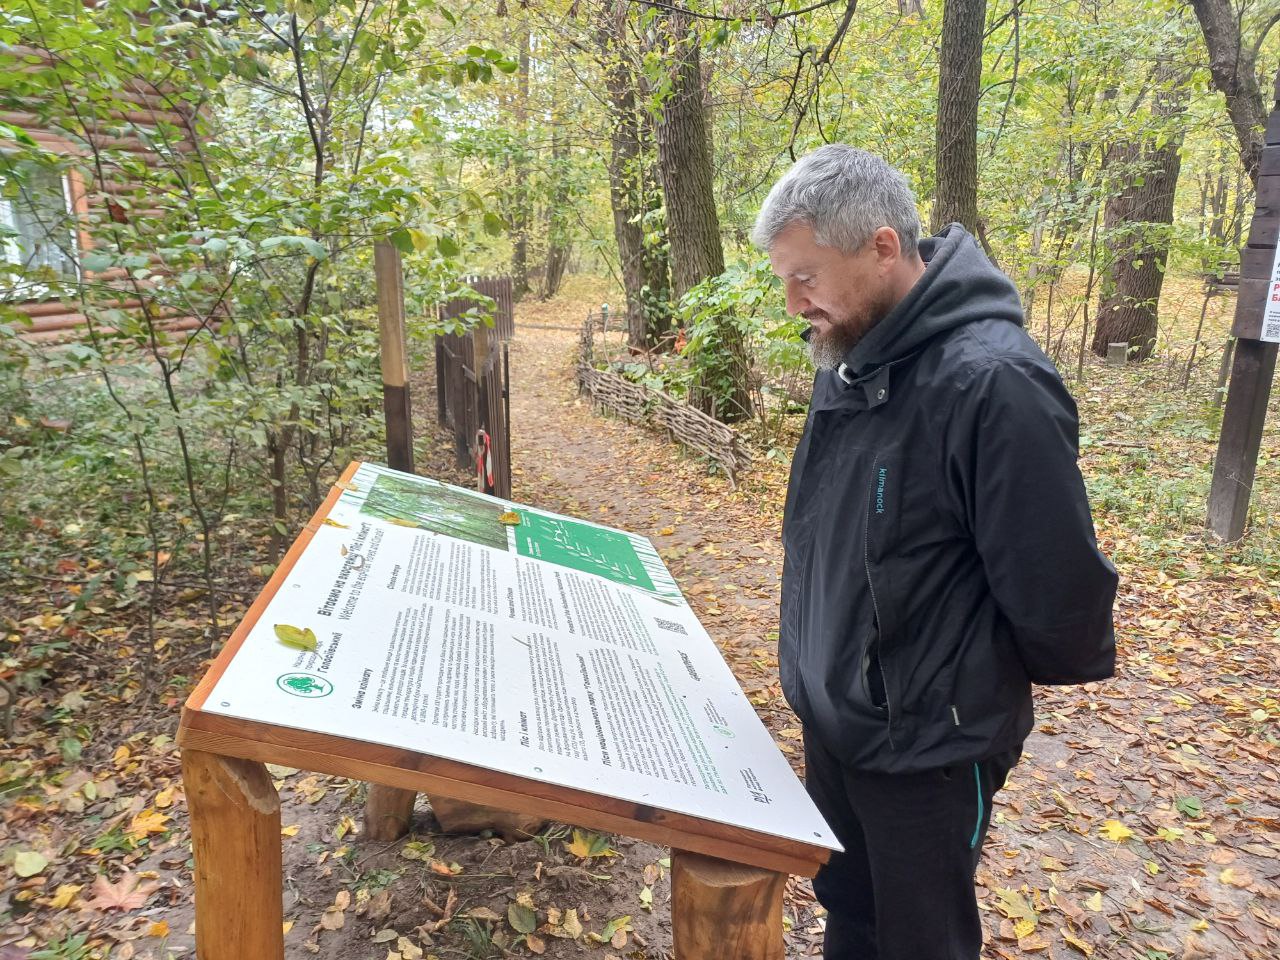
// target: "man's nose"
[[797, 302]]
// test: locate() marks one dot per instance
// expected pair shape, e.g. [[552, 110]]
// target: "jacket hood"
[[959, 285]]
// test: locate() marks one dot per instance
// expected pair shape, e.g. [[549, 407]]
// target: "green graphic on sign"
[[414, 502], [304, 685], [582, 547]]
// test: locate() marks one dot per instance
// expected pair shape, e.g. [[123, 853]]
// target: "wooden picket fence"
[[632, 401], [473, 387]]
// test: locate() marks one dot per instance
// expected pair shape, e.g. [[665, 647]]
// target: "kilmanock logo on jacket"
[[940, 556]]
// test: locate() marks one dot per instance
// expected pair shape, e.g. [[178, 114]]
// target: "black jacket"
[[939, 551]]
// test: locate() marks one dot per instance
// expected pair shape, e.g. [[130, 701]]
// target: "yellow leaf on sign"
[[330, 522], [300, 638], [510, 519], [1115, 830], [158, 929]]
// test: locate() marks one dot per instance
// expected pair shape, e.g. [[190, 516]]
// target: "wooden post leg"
[[235, 835], [388, 811], [725, 911]]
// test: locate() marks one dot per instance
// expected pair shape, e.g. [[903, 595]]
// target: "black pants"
[[903, 888]]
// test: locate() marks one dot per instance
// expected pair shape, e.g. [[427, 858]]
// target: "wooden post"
[[388, 811], [389, 277], [235, 835], [1254, 364], [725, 911]]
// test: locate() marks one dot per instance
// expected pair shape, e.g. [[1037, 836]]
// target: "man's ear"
[[888, 246]]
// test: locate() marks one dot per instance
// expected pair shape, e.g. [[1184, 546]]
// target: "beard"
[[828, 350]]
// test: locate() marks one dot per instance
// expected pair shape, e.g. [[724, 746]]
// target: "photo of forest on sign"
[[427, 505]]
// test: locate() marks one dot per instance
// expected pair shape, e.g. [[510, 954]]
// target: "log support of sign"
[[1254, 364], [719, 910], [235, 837]]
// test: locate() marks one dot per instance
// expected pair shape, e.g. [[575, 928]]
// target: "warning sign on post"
[[1271, 310], [431, 618]]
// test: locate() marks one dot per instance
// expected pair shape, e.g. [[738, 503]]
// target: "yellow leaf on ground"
[[1094, 902], [147, 822], [28, 863], [165, 798], [1235, 877], [291, 830], [1080, 945], [1115, 830], [65, 895], [158, 929]]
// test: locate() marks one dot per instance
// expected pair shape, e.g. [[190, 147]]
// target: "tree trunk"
[[959, 82], [1234, 72], [693, 226], [520, 208], [645, 274], [557, 220], [1136, 222]]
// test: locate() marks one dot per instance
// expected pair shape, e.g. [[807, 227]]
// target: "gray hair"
[[844, 195]]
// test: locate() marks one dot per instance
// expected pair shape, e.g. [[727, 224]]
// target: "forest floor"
[[1143, 821]]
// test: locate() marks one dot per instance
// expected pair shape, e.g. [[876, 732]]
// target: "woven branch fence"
[[639, 404]]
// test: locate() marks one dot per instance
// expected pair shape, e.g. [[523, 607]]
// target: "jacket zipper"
[[875, 606]]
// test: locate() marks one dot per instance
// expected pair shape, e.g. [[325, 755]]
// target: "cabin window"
[[37, 229]]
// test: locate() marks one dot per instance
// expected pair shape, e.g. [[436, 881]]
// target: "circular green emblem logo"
[[304, 685]]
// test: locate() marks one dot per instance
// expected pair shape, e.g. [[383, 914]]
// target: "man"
[[940, 555]]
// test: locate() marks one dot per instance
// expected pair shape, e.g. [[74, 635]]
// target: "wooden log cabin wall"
[[126, 155]]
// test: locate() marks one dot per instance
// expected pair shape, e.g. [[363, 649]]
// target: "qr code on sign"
[[1271, 331], [672, 627]]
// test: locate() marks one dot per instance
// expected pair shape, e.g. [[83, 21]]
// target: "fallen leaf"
[[129, 893], [300, 638], [1115, 830], [147, 822], [158, 929], [510, 518], [521, 918], [535, 944], [65, 895], [28, 863]]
